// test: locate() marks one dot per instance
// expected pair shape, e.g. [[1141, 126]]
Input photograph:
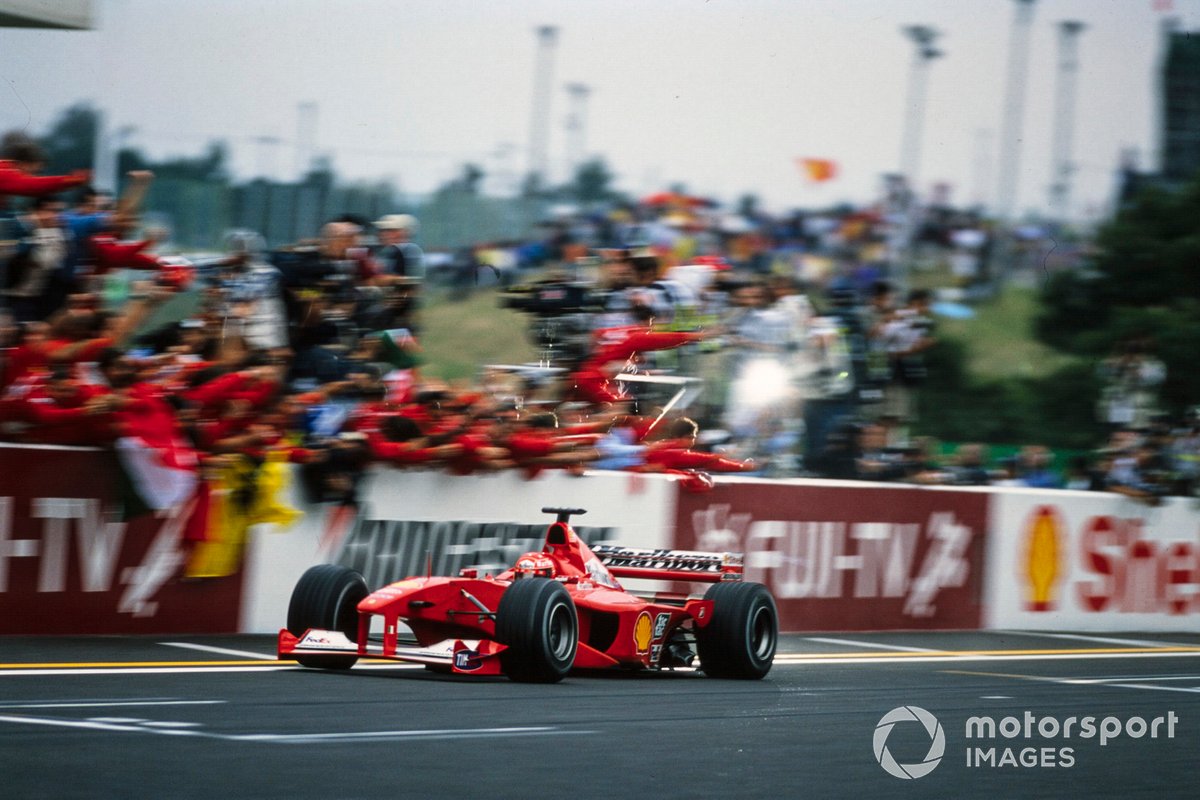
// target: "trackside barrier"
[[838, 556], [412, 521], [67, 566], [847, 556], [1092, 562]]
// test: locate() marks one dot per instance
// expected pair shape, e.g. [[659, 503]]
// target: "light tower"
[[923, 37], [577, 126], [1014, 108], [1064, 117], [266, 148], [539, 121], [306, 137]]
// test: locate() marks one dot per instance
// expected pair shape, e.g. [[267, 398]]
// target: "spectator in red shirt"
[[21, 159], [65, 411], [676, 452]]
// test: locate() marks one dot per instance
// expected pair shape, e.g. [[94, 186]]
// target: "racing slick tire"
[[538, 622], [326, 597], [740, 638]]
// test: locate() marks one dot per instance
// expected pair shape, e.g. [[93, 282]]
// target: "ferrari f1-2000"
[[555, 610]]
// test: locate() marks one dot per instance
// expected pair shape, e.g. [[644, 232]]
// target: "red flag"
[[817, 170]]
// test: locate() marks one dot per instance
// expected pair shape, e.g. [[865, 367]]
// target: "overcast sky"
[[721, 96]]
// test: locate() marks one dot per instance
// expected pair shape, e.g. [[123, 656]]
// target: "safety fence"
[[838, 556]]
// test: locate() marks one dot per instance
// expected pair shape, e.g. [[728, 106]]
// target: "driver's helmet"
[[533, 565]]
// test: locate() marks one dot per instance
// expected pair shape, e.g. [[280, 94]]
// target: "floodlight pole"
[[1014, 107], [1064, 117], [923, 36], [539, 122]]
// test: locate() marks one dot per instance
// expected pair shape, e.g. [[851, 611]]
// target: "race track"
[[205, 717]]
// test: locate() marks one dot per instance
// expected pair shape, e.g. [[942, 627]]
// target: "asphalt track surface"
[[207, 717]]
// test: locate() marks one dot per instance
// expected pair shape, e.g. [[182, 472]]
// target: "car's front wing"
[[467, 657]]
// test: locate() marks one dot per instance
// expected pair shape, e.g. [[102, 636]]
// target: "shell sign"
[[1043, 567]]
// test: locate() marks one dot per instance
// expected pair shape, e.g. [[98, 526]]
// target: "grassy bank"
[[999, 340], [459, 336]]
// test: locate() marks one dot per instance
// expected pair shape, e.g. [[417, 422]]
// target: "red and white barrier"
[[67, 566], [838, 556], [1089, 561], [410, 521], [845, 556]]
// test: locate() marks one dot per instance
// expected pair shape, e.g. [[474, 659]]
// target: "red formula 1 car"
[[557, 609]]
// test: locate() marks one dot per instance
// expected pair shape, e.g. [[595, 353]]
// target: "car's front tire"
[[538, 622], [327, 597], [739, 640]]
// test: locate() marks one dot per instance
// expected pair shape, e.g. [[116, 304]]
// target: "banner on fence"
[[1093, 562], [845, 556]]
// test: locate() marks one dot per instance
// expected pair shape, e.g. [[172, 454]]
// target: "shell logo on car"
[[643, 632]]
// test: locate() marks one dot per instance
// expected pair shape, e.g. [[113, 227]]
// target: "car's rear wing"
[[668, 565]]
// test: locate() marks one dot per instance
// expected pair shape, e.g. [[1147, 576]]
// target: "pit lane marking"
[[1088, 681], [876, 645], [986, 655], [783, 659], [225, 651], [1101, 639], [112, 704], [122, 725]]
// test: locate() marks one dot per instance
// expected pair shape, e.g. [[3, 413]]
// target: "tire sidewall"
[[742, 634], [538, 623]]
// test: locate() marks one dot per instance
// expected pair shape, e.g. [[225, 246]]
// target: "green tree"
[[748, 206], [593, 182], [70, 143], [210, 166], [468, 182], [1144, 281]]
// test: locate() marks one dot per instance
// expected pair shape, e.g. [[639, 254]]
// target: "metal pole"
[[306, 138], [577, 126], [1064, 118], [539, 123], [1014, 106], [923, 37]]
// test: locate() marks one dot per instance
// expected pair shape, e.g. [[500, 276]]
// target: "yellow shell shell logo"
[[643, 631], [1043, 554]]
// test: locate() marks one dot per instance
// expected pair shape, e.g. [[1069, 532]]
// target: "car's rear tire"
[[538, 622], [739, 640], [327, 597]]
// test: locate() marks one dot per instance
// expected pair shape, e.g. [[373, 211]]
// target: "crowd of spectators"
[[202, 376], [779, 347]]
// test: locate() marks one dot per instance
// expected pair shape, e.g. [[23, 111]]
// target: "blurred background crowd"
[[667, 334]]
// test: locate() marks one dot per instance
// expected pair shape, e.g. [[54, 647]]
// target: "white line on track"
[[117, 725], [43, 671], [281, 666], [449, 733], [1100, 639], [874, 645], [1121, 678], [794, 659], [790, 660], [1192, 690], [1091, 681], [221, 650], [113, 704]]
